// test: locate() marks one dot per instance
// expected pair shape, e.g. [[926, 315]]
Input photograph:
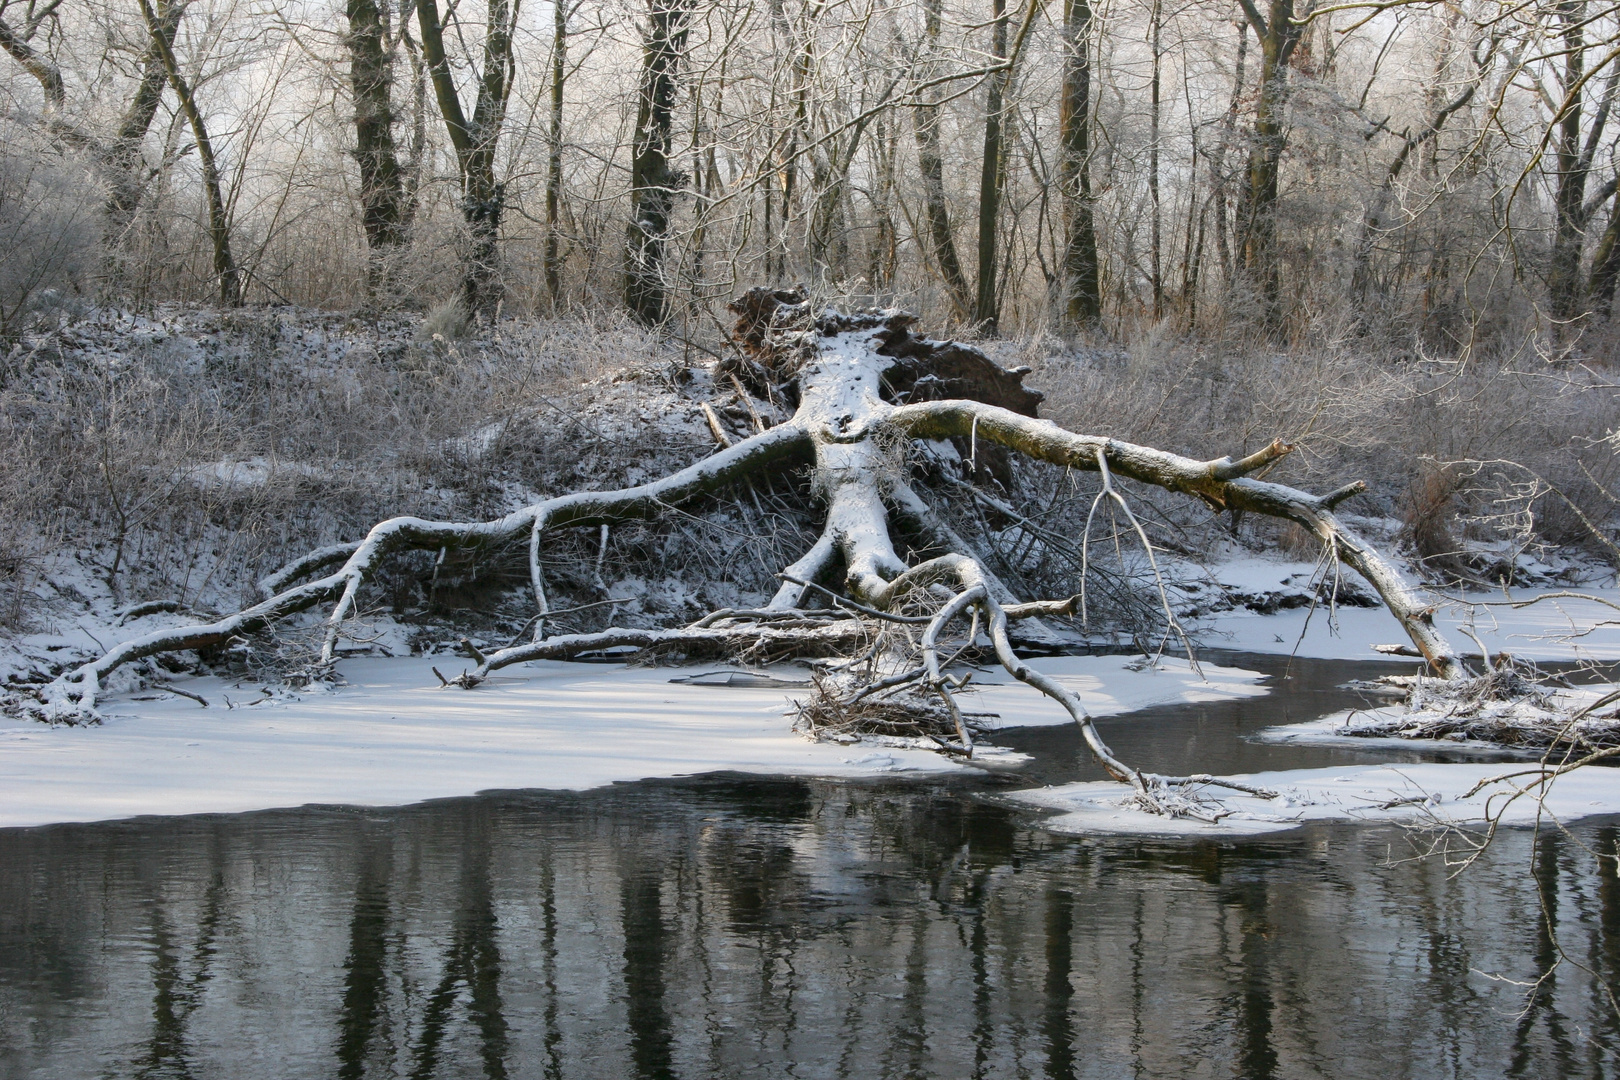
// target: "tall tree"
[[554, 145], [1279, 35], [483, 197], [1156, 241], [219, 226], [992, 175], [654, 181], [371, 79], [1081, 282], [1573, 209], [939, 239]]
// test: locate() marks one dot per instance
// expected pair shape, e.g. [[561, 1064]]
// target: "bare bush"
[[48, 231]]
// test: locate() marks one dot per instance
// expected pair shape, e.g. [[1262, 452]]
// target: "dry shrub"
[[835, 712], [1388, 416], [48, 219], [1428, 506]]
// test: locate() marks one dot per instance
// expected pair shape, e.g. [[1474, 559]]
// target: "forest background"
[[265, 256]]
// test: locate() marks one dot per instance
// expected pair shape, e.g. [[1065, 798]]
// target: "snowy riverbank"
[[1430, 793], [393, 735]]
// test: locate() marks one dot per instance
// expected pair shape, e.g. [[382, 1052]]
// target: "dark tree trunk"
[[1606, 264], [1572, 207], [1081, 282], [653, 181], [1156, 239], [128, 164], [940, 240], [219, 229], [559, 74], [482, 195], [1563, 279], [1278, 35], [992, 174], [371, 78]]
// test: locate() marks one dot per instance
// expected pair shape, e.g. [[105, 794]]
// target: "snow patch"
[[1430, 794], [1107, 686], [1550, 631], [393, 735]]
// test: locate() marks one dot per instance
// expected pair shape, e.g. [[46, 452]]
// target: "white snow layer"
[[1556, 629], [1427, 794], [393, 735]]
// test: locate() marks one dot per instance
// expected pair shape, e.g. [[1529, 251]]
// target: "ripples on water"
[[730, 926]]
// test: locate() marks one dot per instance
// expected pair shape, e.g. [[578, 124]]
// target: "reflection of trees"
[[646, 947], [176, 995], [715, 928], [365, 974], [1541, 1009], [471, 964], [1057, 1025]]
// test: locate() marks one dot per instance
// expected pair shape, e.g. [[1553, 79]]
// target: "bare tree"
[[219, 225], [120, 160], [1573, 208], [382, 185], [475, 140], [654, 181], [1081, 281], [1279, 34], [939, 237], [554, 148], [992, 175]]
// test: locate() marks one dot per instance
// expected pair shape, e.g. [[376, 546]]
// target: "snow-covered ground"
[[1559, 629], [1425, 794], [393, 735]]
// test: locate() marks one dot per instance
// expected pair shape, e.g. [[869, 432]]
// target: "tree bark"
[[483, 197], [219, 228], [559, 75], [940, 238], [127, 182], [1572, 208], [382, 190], [1278, 35], [371, 81], [992, 175], [1606, 264], [654, 182], [1081, 280], [1155, 228]]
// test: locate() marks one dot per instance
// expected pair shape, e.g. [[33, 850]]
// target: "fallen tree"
[[862, 387]]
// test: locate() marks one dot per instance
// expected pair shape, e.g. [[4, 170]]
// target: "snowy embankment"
[[393, 735], [1558, 629], [1430, 794]]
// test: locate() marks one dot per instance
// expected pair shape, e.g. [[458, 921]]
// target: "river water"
[[733, 926]]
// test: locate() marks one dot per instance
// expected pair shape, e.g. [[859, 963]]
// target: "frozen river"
[[733, 925]]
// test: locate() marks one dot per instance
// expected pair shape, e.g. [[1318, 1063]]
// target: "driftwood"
[[860, 385]]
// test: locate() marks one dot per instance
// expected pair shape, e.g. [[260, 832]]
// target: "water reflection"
[[730, 927]]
